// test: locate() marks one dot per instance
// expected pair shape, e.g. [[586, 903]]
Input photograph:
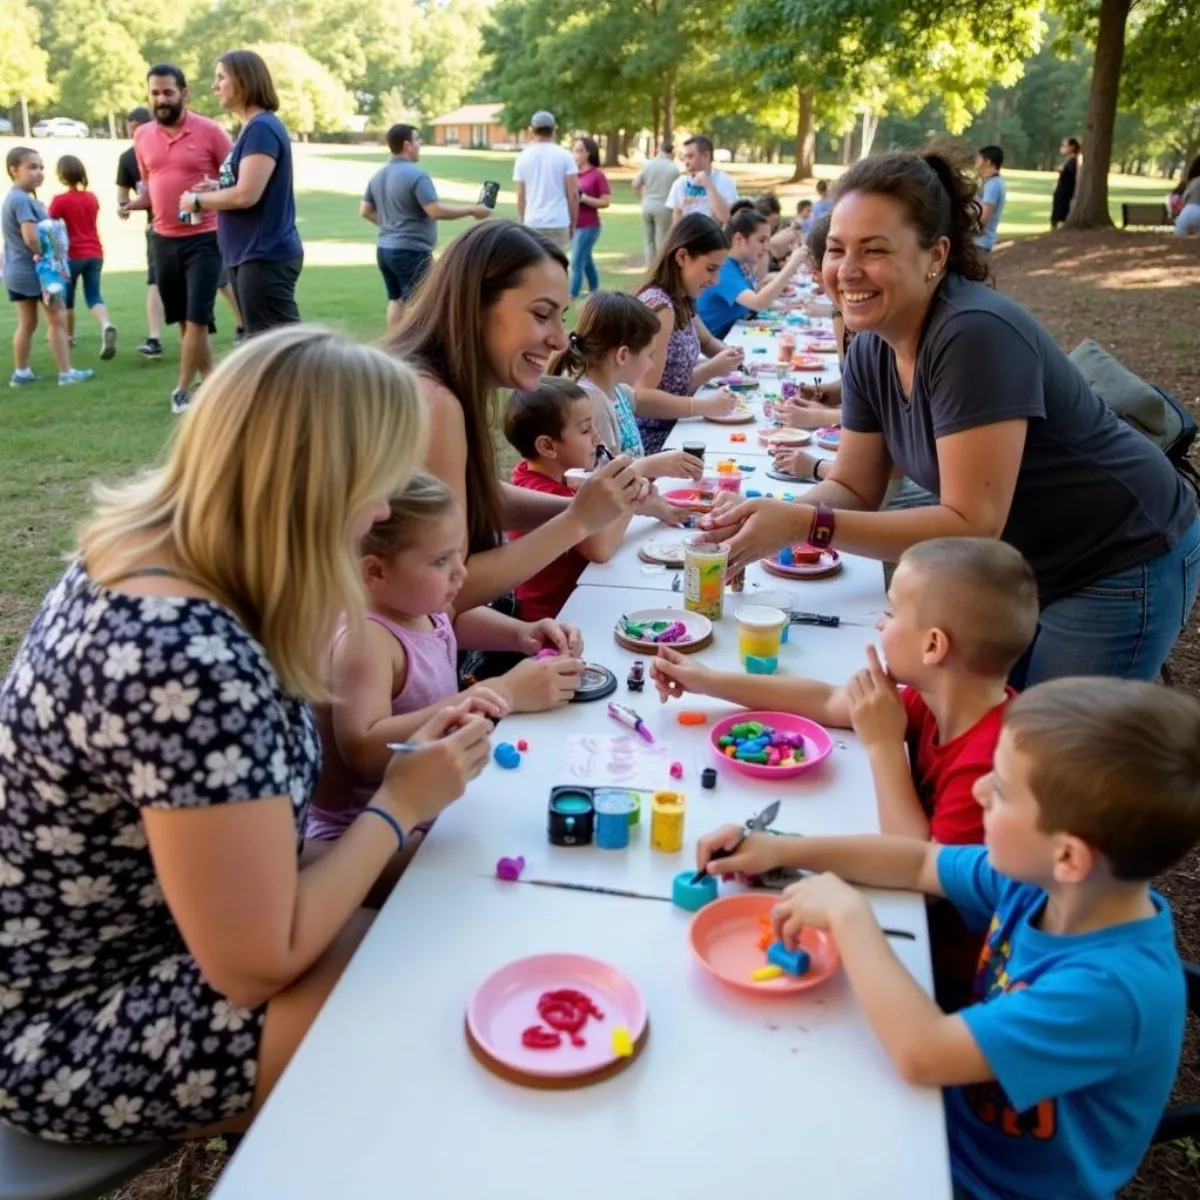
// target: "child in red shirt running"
[[78, 209], [553, 428], [961, 611]]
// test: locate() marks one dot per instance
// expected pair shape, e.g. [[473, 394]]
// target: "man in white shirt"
[[547, 182], [702, 189], [653, 183]]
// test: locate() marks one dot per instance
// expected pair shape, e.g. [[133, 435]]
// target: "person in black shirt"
[[129, 180], [1064, 189]]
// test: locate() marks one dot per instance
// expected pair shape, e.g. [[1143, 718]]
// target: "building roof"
[[471, 114]]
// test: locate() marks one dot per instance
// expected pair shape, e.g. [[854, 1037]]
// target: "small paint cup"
[[760, 634], [695, 449], [693, 896], [704, 566], [787, 345], [770, 598]]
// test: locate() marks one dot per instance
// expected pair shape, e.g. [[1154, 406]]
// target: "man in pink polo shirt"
[[176, 154]]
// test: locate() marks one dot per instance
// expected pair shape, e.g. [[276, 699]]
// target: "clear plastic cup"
[[760, 634], [704, 577]]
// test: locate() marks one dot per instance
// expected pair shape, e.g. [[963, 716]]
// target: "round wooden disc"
[[555, 1084], [733, 419], [661, 560], [651, 648]]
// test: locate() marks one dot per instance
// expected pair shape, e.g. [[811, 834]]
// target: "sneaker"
[[110, 343], [181, 399], [66, 378], [151, 348], [70, 343], [21, 378]]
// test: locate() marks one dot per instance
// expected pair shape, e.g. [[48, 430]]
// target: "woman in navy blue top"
[[257, 230]]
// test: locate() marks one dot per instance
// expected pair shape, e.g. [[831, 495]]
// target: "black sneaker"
[[239, 335], [109, 347], [151, 348], [181, 399]]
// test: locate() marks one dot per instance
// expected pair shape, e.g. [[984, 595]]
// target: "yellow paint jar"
[[666, 822]]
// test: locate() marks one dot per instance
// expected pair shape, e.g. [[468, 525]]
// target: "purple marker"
[[619, 712]]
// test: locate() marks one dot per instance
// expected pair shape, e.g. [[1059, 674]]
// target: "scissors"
[[756, 824]]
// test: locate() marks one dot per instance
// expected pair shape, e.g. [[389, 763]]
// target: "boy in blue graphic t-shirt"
[[1057, 1075]]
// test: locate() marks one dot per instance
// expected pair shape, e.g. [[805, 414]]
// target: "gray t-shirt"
[[1093, 496], [658, 175], [399, 190], [20, 276]]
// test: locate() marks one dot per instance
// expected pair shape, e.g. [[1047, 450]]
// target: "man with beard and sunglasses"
[[178, 153]]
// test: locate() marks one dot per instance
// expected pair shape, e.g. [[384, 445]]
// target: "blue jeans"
[[1123, 626], [87, 269], [582, 263]]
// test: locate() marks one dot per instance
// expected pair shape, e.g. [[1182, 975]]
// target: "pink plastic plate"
[[818, 745], [505, 1005], [830, 564], [725, 936], [692, 498]]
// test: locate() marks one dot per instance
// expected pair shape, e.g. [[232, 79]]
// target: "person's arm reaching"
[[455, 212], [520, 201], [254, 173], [766, 295], [675, 675], [571, 187]]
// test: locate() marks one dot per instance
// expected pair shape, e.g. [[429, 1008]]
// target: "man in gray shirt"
[[653, 182], [403, 202]]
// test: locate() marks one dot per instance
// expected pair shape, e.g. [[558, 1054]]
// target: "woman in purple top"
[[594, 194], [688, 262]]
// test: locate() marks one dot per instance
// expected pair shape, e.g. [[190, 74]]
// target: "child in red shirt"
[[78, 209], [961, 611]]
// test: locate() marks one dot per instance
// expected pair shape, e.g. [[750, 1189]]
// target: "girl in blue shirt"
[[737, 294]]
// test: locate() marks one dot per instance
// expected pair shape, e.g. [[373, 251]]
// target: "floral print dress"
[[108, 1031], [683, 353]]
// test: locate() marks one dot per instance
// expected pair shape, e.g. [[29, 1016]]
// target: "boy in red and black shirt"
[[961, 611]]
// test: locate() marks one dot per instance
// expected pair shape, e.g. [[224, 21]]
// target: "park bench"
[[1145, 215]]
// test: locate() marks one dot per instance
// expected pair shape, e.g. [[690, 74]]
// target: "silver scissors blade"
[[763, 819]]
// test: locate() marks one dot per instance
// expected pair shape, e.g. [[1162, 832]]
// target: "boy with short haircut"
[[992, 194], [553, 428], [1057, 1077], [961, 612]]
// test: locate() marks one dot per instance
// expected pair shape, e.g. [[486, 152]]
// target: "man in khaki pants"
[[547, 182], [653, 182]]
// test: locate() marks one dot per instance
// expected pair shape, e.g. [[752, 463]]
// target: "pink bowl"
[[505, 1004], [725, 937], [818, 745]]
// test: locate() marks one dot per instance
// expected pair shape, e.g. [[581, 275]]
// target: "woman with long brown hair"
[[489, 316]]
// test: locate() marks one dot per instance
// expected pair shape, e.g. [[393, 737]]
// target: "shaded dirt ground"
[[1138, 295]]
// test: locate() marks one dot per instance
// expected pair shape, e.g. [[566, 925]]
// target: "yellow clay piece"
[[622, 1043], [765, 973]]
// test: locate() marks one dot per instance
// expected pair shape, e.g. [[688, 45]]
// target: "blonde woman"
[[164, 949]]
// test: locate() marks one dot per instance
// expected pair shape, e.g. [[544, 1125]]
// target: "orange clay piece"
[[737, 437], [691, 718], [766, 942]]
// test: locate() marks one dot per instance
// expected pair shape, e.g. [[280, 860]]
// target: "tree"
[[25, 65], [311, 100], [106, 76]]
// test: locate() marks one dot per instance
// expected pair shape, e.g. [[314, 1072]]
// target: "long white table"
[[384, 1097]]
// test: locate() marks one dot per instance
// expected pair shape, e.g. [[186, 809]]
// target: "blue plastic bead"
[[507, 756]]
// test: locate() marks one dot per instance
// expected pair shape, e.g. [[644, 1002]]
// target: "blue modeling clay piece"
[[794, 962], [506, 756], [751, 494], [785, 558], [746, 468]]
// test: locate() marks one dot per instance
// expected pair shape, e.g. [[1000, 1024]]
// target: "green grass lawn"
[[55, 442]]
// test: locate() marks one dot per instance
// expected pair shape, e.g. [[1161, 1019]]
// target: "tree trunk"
[[112, 124], [870, 126], [612, 148], [656, 122], [668, 109], [1091, 196], [806, 139], [25, 116]]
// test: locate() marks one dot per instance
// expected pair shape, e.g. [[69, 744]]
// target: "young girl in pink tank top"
[[400, 670]]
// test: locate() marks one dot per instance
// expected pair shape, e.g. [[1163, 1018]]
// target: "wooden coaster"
[[651, 648], [662, 558], [819, 571], [556, 1083], [733, 418]]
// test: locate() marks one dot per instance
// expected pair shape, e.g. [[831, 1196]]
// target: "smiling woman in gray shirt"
[[966, 393]]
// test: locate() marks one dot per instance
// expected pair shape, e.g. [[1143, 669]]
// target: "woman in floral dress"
[[162, 947]]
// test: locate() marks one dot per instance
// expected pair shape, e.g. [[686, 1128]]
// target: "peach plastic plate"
[[818, 745], [725, 936], [505, 1005]]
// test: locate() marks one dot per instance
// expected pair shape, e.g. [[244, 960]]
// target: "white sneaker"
[[181, 400], [79, 375]]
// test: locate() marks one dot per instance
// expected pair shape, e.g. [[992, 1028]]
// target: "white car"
[[60, 127], [6, 126]]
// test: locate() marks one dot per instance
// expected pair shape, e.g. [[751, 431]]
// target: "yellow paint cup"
[[666, 822], [760, 634]]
